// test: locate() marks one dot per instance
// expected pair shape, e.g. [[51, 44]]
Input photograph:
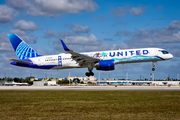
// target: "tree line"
[[27, 80], [19, 80]]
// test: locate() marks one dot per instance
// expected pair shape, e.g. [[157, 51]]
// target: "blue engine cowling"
[[105, 65]]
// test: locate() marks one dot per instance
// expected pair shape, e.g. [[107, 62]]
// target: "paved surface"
[[89, 88]]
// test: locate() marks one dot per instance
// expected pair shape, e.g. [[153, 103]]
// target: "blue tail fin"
[[22, 49]]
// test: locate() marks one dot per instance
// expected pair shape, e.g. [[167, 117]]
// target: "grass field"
[[90, 105]]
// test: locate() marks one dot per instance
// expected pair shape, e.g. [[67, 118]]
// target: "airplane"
[[101, 60], [15, 83]]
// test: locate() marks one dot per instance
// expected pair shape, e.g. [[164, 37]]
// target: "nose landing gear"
[[153, 69]]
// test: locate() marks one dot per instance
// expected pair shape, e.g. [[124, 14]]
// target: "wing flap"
[[86, 58], [80, 57]]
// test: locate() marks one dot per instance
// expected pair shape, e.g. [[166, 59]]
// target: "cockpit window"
[[165, 52]]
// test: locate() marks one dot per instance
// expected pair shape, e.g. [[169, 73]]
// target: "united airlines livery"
[[101, 60]]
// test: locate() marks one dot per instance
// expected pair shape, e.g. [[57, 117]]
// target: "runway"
[[89, 88]]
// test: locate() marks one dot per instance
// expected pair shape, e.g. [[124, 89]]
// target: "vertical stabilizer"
[[22, 49]]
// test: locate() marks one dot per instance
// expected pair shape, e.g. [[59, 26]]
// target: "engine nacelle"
[[105, 65]]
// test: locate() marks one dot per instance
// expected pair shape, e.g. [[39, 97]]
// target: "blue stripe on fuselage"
[[160, 57]]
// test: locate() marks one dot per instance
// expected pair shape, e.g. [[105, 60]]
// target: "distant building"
[[84, 79], [44, 83], [130, 82], [2, 82]]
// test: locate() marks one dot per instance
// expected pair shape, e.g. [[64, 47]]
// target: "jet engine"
[[105, 65]]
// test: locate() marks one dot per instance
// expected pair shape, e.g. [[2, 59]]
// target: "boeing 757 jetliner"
[[101, 60]]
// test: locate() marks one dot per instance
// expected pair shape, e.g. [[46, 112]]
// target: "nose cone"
[[170, 56]]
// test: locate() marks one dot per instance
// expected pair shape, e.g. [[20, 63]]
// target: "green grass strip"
[[90, 105]]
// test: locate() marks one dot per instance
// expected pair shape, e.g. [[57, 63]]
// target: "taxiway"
[[89, 88]]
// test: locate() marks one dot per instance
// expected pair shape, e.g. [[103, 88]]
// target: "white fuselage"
[[63, 61]]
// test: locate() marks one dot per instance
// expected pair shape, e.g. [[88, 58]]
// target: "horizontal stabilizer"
[[20, 61]]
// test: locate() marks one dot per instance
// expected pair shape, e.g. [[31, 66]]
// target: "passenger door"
[[60, 61]]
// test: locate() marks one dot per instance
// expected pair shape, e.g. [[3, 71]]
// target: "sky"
[[91, 25]]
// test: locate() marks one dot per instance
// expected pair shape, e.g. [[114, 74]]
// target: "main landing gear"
[[153, 69], [90, 68], [90, 73]]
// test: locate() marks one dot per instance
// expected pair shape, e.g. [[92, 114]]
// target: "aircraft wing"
[[20, 61], [80, 58]]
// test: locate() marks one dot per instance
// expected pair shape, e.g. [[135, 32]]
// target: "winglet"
[[64, 46]]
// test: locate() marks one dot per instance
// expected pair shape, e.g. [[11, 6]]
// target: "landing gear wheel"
[[87, 74], [91, 73], [153, 69]]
